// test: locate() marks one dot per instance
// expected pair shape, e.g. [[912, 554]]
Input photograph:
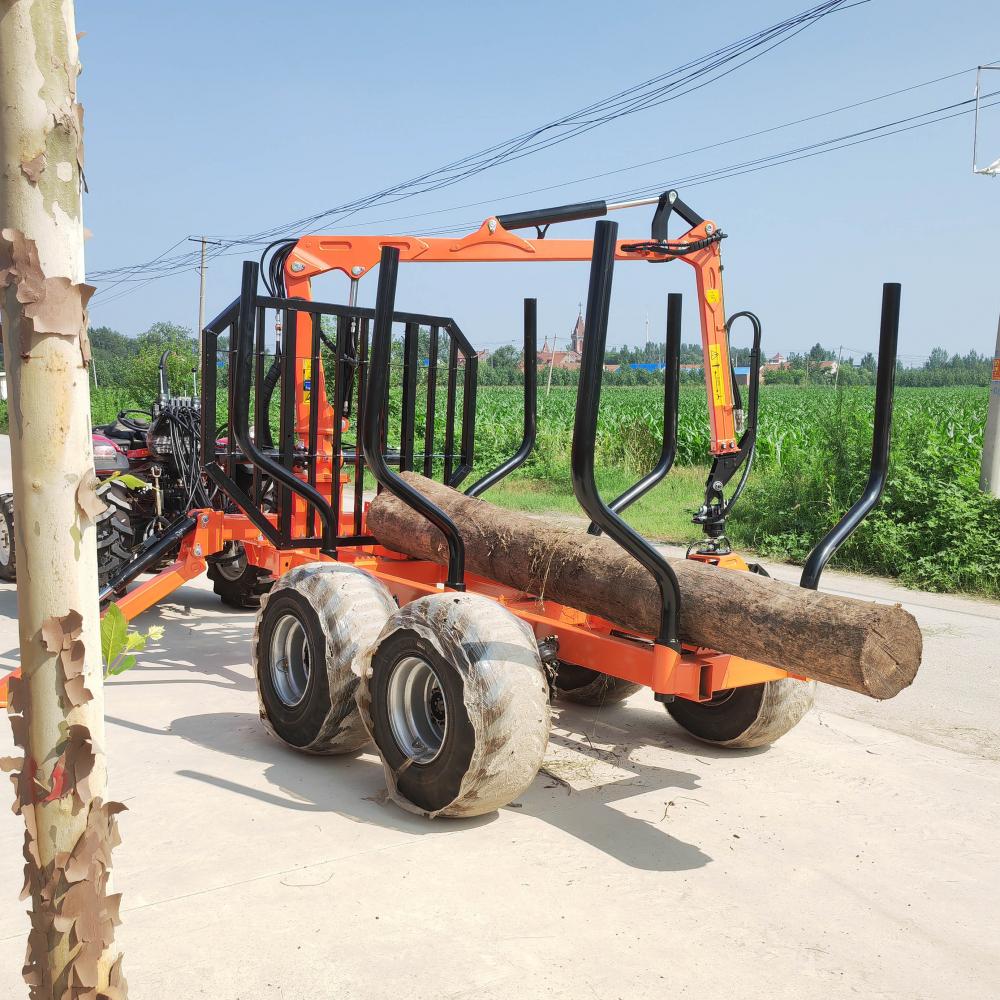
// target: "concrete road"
[[856, 857]]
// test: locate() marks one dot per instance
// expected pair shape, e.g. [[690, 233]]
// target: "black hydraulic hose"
[[164, 383], [270, 382], [149, 555], [748, 441]]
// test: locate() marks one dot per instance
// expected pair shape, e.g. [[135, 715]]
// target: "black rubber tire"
[[341, 610], [238, 583], [496, 697], [590, 687], [115, 531], [744, 717], [8, 554]]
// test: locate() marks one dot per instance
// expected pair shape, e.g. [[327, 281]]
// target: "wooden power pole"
[[57, 707], [201, 283]]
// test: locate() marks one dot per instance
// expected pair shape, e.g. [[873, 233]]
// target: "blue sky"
[[228, 117]]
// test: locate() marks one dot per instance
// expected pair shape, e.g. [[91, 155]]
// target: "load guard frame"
[[303, 478]]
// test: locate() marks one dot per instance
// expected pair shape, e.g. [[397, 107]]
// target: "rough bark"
[[57, 709], [873, 649]]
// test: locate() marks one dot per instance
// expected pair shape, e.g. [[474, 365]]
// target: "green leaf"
[[135, 641], [155, 633], [127, 479], [125, 663], [114, 628]]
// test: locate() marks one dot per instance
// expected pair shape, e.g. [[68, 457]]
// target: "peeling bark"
[[57, 708]]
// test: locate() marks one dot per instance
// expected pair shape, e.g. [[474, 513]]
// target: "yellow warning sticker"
[[996, 369], [715, 367], [712, 296], [307, 367]]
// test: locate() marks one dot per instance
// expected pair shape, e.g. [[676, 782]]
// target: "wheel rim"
[[418, 710], [4, 542], [233, 569], [290, 660]]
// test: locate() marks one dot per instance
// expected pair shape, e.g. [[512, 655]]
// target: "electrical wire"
[[650, 93]]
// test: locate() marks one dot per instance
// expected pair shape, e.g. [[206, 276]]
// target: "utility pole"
[[552, 361], [205, 243], [840, 361], [989, 478], [57, 704]]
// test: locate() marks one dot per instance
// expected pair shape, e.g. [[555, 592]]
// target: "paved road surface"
[[856, 857]]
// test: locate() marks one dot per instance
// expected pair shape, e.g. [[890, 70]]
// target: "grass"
[[663, 514]]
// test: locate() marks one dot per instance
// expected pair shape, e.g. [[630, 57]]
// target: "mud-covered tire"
[[590, 687], [455, 697], [8, 561], [338, 610], [115, 531], [746, 717], [237, 582]]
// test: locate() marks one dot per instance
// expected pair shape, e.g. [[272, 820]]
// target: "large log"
[[873, 649]]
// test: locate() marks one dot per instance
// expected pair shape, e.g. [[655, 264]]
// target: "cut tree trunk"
[[873, 649]]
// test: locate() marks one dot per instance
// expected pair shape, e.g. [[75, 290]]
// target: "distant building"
[[776, 363], [570, 359]]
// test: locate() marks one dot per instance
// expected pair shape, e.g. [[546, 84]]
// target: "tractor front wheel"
[[115, 531], [455, 697], [745, 717], [8, 564]]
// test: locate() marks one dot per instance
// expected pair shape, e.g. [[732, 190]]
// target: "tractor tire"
[[455, 697], [745, 717], [311, 630], [115, 532], [8, 563], [590, 687], [237, 582]]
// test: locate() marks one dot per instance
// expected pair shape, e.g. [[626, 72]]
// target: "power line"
[[650, 93]]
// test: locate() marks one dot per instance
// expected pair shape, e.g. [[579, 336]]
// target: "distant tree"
[[505, 356], [161, 336], [819, 353], [938, 358]]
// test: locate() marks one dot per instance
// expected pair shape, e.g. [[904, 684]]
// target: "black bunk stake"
[[432, 360], [585, 436], [409, 407], [881, 438], [450, 403], [671, 401], [375, 415], [530, 405]]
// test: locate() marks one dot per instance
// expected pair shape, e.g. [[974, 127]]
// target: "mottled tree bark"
[[57, 708], [873, 649]]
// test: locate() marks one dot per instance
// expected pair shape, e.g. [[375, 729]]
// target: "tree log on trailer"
[[873, 649]]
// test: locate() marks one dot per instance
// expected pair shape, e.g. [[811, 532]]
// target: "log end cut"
[[892, 651]]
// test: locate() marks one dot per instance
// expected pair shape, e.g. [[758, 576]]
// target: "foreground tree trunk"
[[57, 708], [873, 649]]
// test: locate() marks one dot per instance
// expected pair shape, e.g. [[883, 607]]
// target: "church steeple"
[[576, 337]]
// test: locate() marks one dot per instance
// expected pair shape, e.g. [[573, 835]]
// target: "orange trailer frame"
[[692, 673]]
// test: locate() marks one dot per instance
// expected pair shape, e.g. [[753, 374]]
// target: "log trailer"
[[435, 625]]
